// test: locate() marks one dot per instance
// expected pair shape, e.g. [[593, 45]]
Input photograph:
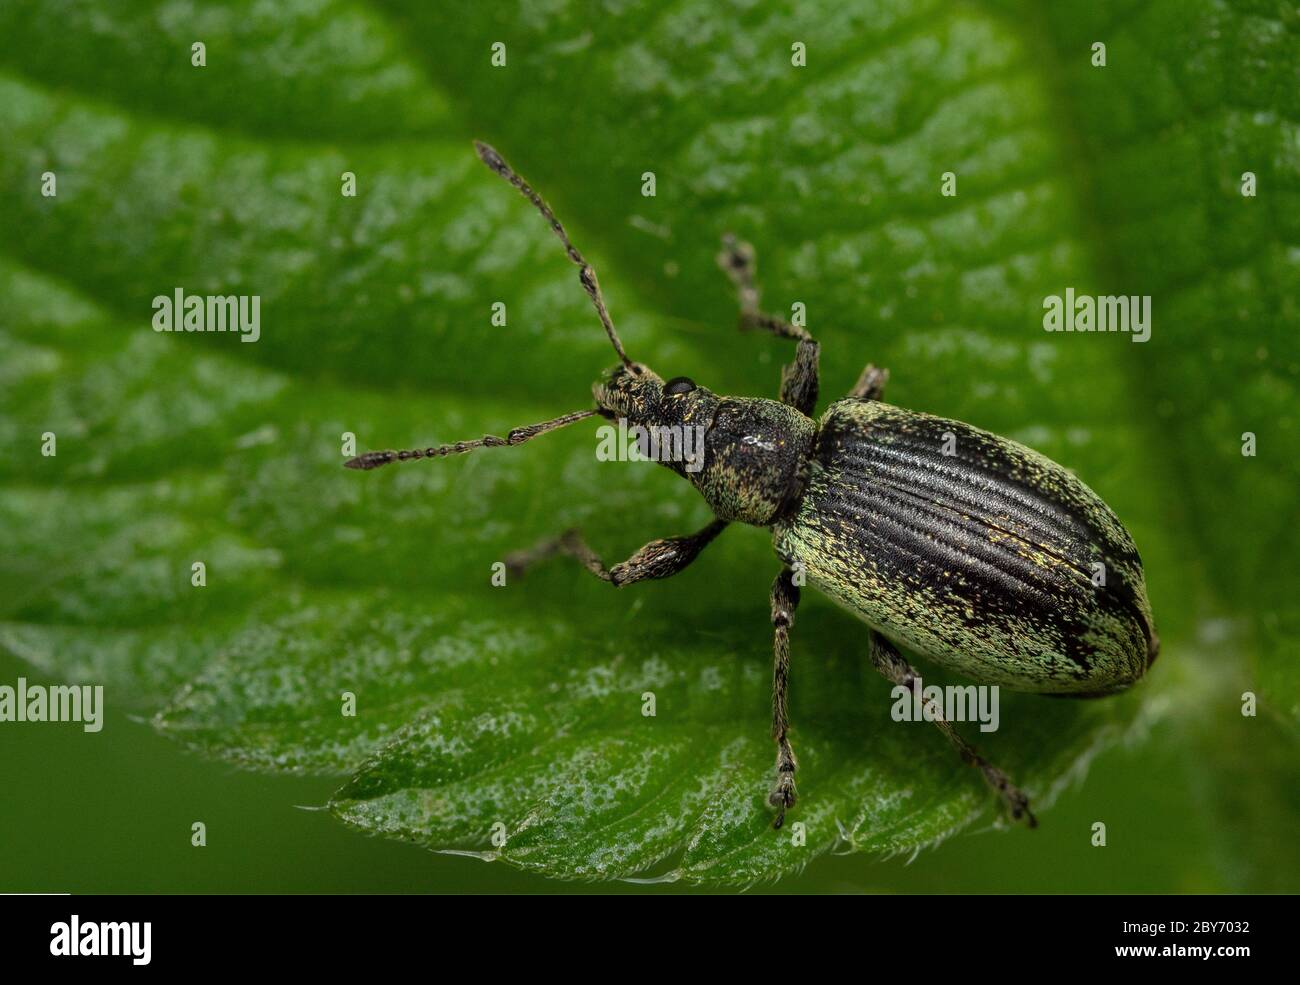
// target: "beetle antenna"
[[586, 274], [374, 459]]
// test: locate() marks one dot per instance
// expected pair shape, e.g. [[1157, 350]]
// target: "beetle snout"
[[627, 390]]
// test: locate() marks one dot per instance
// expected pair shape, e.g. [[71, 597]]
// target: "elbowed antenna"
[[586, 273], [374, 459]]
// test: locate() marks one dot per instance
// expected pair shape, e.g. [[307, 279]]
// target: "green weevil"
[[967, 548]]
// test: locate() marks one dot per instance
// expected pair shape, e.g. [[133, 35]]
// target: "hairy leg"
[[799, 379], [785, 599], [890, 663], [658, 559]]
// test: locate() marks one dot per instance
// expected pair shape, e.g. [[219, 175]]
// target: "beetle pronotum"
[[965, 547]]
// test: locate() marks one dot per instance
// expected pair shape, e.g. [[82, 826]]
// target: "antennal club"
[[587, 274]]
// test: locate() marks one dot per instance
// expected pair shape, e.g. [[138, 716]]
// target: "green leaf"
[[522, 706]]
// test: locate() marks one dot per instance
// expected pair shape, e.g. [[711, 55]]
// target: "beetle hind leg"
[[785, 599], [892, 666]]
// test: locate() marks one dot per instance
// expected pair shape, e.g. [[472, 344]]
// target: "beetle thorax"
[[755, 452]]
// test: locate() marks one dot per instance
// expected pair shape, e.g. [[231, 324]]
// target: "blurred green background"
[[521, 705], [112, 814]]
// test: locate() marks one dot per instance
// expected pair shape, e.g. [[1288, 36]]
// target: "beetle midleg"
[[785, 599], [898, 671], [799, 378], [871, 384], [658, 559]]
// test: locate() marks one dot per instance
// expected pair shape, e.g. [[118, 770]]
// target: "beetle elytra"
[[968, 548]]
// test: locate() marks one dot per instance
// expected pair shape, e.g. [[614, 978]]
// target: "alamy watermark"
[[102, 938], [181, 312], [656, 443], [1104, 313], [57, 703], [954, 703]]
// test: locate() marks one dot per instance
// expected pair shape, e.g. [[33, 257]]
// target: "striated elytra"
[[961, 545], [985, 560]]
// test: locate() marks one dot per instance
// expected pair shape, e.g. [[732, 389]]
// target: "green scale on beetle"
[[970, 549]]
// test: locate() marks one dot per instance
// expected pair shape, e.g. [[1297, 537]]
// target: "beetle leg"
[[898, 671], [785, 599], [799, 378], [658, 559], [871, 384]]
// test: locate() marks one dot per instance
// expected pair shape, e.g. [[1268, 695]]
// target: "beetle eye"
[[679, 384]]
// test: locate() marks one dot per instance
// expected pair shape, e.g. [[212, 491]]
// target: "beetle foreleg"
[[799, 378], [898, 671], [785, 599], [658, 559]]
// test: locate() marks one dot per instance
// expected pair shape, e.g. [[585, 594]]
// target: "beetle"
[[965, 547]]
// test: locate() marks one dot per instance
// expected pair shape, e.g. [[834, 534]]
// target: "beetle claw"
[[783, 797], [1016, 801], [1020, 809]]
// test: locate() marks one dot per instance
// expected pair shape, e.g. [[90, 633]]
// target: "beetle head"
[[744, 455], [640, 396]]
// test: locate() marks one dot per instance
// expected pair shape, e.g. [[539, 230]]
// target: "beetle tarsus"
[[661, 558], [737, 261], [1017, 803], [570, 544], [783, 795]]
